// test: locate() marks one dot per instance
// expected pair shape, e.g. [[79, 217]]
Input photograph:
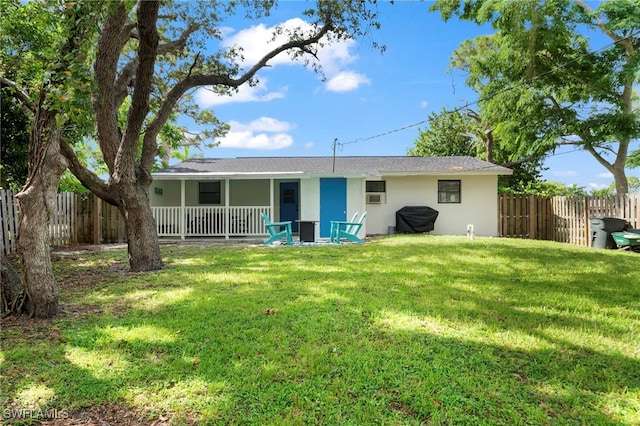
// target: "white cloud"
[[206, 98], [263, 133], [309, 145], [424, 104], [262, 124], [605, 175], [346, 81], [593, 186], [334, 57], [565, 173], [258, 40]]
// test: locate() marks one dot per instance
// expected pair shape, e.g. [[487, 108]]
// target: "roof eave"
[[223, 175]]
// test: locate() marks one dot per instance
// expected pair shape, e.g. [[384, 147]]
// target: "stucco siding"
[[310, 199], [249, 192], [355, 201], [478, 204], [169, 195]]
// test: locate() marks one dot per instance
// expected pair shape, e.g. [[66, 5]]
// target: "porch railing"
[[210, 221]]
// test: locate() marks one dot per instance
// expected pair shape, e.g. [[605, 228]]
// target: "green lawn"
[[405, 330]]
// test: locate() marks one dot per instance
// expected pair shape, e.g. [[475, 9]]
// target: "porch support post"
[[227, 213], [272, 200], [182, 212]]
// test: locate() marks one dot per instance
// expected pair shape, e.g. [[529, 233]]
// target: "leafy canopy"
[[556, 72]]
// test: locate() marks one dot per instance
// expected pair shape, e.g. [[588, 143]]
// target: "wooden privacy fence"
[[78, 219], [563, 219]]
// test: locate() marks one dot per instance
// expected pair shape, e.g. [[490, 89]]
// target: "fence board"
[[61, 222], [9, 220], [113, 225]]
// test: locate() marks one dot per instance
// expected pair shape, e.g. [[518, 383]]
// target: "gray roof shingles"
[[343, 165]]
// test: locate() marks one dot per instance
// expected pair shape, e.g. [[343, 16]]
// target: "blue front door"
[[333, 203], [289, 203]]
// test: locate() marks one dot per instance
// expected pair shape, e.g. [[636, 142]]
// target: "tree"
[[544, 84], [463, 132], [134, 63], [148, 64], [450, 133], [45, 50]]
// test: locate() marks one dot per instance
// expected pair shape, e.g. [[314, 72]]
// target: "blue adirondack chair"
[[277, 230], [349, 230], [335, 224]]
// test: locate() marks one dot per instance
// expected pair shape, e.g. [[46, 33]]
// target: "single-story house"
[[223, 197]]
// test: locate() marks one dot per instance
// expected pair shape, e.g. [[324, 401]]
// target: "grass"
[[406, 330]]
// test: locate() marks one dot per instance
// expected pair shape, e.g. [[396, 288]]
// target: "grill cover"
[[415, 219]]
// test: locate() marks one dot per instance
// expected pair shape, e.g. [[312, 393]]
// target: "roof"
[[325, 166]]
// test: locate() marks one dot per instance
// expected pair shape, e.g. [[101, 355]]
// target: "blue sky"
[[372, 103]]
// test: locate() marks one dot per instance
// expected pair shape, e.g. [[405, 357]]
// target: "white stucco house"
[[223, 197]]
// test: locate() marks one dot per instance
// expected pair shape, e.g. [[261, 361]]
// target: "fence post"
[[533, 218], [587, 222]]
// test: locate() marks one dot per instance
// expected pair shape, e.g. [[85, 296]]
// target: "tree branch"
[[123, 82], [147, 52], [179, 43], [126, 75], [90, 180], [110, 46], [624, 41], [198, 80], [19, 94]]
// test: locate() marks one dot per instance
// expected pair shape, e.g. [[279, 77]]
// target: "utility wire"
[[491, 96]]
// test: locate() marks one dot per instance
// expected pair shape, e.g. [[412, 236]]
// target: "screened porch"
[[215, 208]]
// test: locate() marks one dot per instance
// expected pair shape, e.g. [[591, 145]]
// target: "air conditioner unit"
[[375, 198]]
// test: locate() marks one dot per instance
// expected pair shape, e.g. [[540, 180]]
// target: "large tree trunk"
[[36, 202], [620, 178], [143, 245]]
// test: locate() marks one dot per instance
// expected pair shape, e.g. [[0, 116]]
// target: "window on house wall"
[[376, 191], [449, 191], [209, 192], [376, 186]]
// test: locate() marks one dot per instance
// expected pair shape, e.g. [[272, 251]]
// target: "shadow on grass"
[[448, 332]]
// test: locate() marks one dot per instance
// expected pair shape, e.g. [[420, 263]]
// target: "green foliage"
[[403, 330], [14, 134], [634, 159], [450, 133], [634, 184], [548, 189], [69, 183], [47, 49], [634, 187], [542, 79]]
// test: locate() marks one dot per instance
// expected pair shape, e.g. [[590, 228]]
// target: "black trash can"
[[307, 230], [601, 229]]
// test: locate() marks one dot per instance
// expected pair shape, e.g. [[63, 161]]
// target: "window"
[[448, 191], [376, 191], [376, 186], [209, 192]]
